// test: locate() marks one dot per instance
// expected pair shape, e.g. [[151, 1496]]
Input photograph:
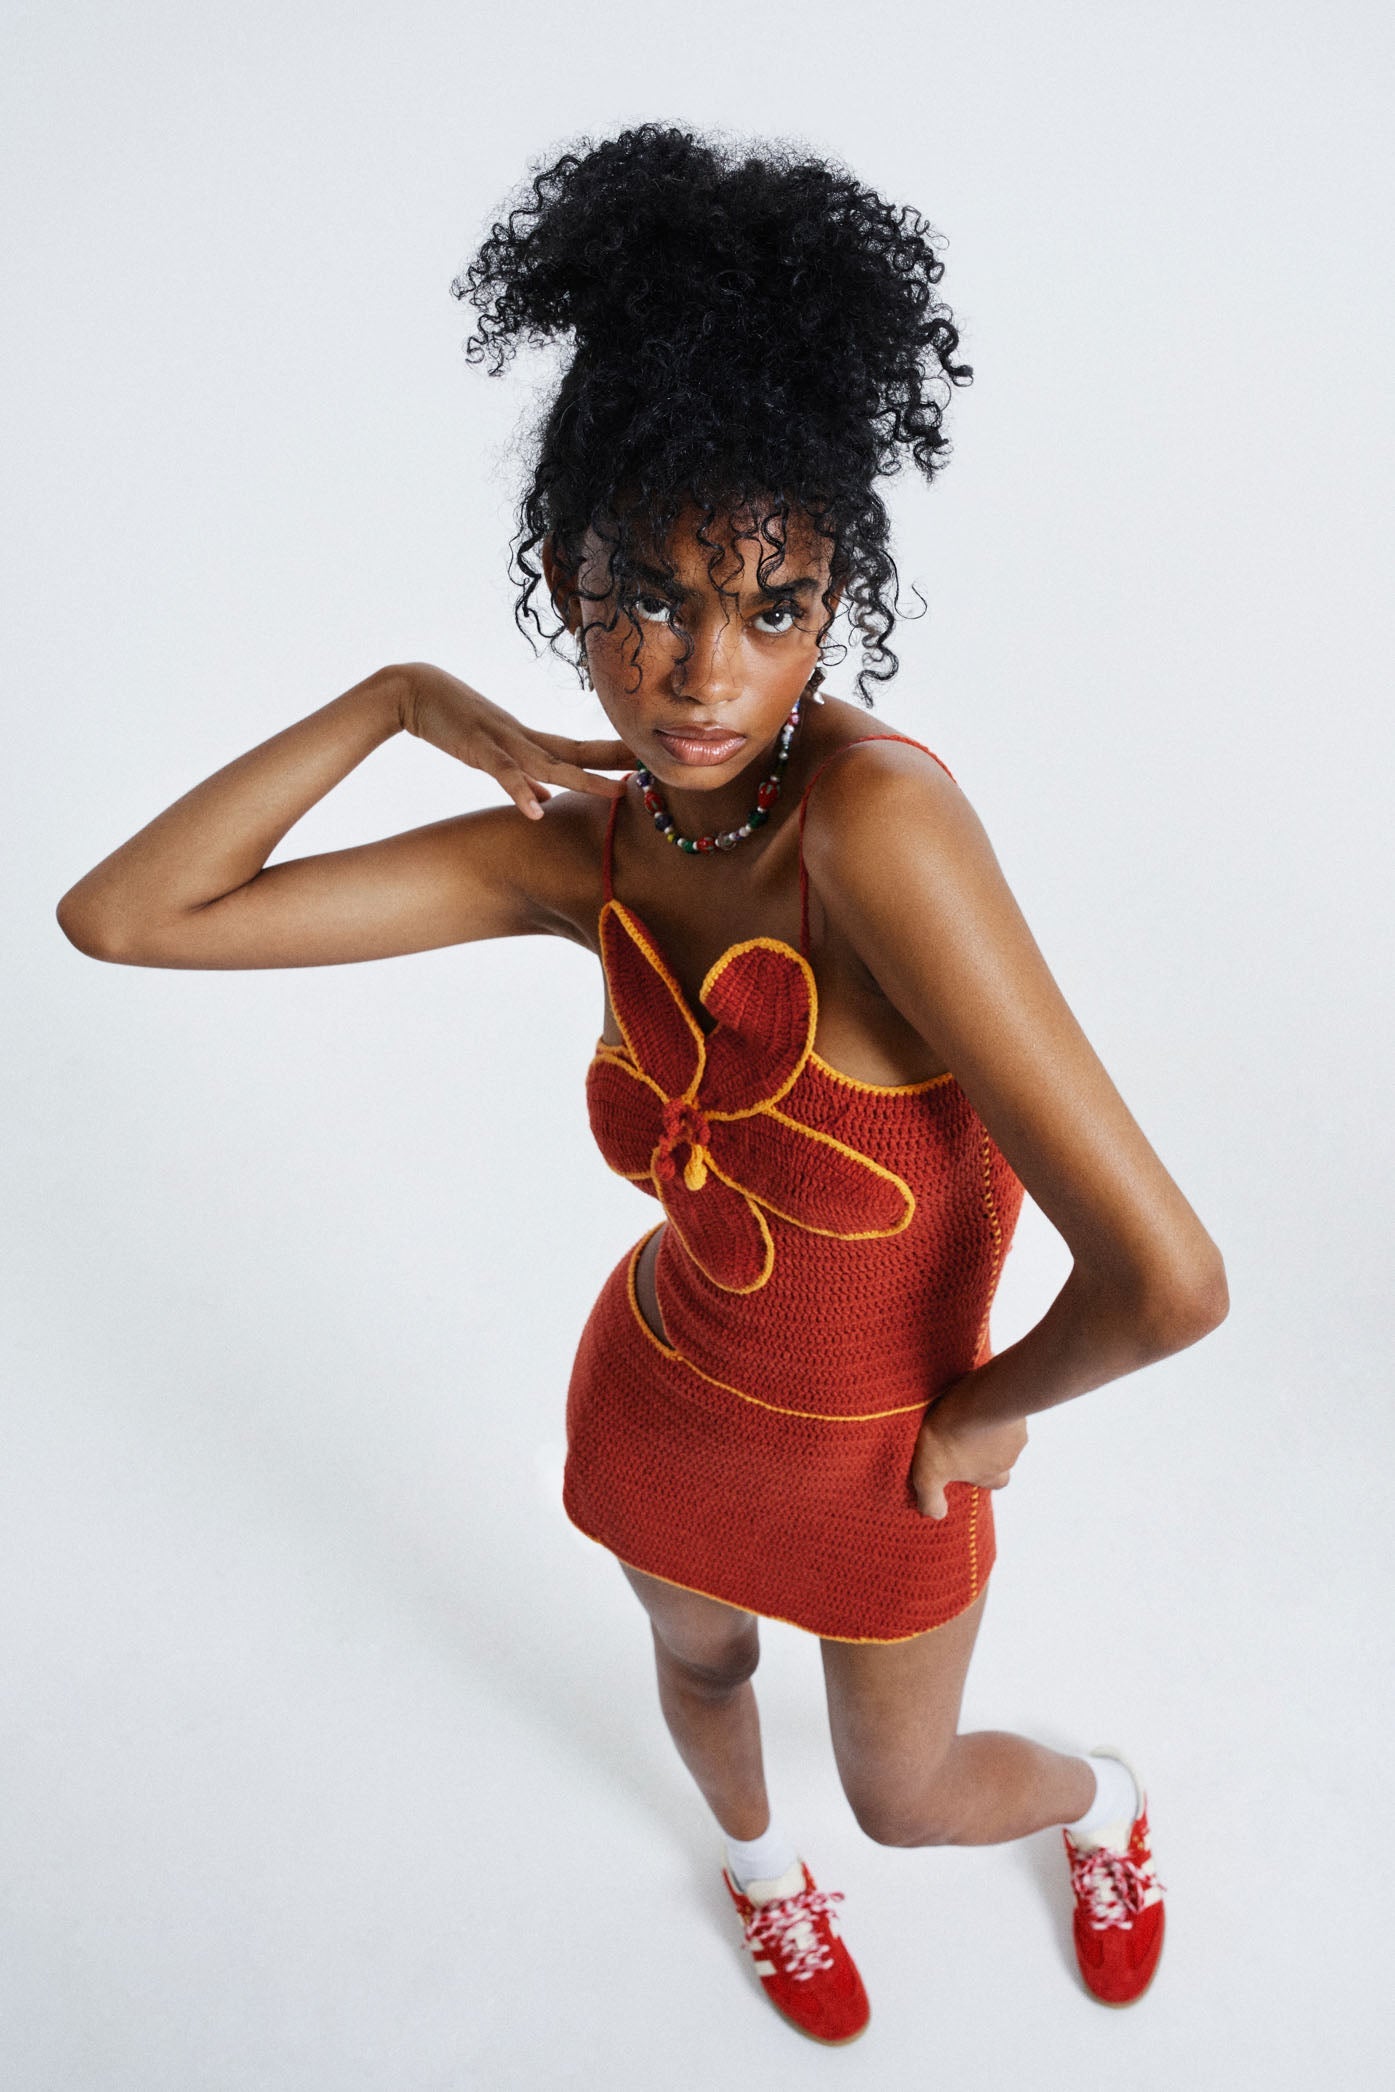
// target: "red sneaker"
[[804, 1968], [1118, 1908]]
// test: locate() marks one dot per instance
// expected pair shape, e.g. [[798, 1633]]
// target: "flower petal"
[[659, 1029], [808, 1177], [763, 997], [626, 1112], [721, 1229]]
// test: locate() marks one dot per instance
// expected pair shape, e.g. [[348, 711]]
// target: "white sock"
[[765, 1858], [1117, 1801]]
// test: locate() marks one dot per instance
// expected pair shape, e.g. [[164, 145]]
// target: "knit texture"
[[829, 1268]]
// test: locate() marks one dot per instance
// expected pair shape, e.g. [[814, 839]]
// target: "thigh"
[[893, 1707], [705, 1633]]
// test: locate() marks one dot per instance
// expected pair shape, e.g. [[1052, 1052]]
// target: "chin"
[[696, 777]]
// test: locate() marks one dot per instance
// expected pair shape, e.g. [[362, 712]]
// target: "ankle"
[[1117, 1802], [764, 1858]]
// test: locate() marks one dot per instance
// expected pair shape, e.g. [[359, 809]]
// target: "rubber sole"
[[825, 2040]]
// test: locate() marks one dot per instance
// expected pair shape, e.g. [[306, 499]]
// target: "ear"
[[830, 609], [561, 586]]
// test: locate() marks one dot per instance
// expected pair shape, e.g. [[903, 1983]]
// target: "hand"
[[439, 708], [951, 1447]]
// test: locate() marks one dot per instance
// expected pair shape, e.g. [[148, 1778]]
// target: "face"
[[700, 723]]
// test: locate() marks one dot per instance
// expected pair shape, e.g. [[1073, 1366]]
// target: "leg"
[[910, 1777], [706, 1652]]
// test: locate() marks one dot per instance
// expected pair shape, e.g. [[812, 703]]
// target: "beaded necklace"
[[727, 839]]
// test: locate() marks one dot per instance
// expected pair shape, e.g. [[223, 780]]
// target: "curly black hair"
[[752, 332]]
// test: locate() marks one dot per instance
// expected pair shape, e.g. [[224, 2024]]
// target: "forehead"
[[729, 548]]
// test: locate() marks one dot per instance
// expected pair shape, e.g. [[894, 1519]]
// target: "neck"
[[706, 813], [727, 806]]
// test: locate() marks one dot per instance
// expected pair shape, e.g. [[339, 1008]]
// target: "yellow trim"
[[973, 1544], [853, 1082], [814, 1133], [771, 944], [671, 1351], [606, 1052], [760, 1222], [635, 930], [610, 1053], [991, 1209], [776, 944], [881, 1089], [748, 944], [883, 1640], [766, 1236]]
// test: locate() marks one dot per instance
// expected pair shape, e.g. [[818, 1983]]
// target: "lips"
[[692, 746]]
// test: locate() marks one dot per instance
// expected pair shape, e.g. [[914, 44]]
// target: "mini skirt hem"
[[880, 1640]]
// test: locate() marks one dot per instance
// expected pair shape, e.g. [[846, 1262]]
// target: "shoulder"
[[558, 862], [900, 860], [551, 869], [874, 804]]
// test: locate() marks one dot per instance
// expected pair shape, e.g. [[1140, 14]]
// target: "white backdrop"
[[331, 1756]]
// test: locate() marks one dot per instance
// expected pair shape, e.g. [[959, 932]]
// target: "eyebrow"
[[800, 584]]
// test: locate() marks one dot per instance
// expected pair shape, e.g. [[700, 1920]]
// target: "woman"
[[831, 1049]]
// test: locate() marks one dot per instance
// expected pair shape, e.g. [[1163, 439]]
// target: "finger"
[[601, 755], [519, 790], [935, 1505], [584, 780], [543, 765], [998, 1482]]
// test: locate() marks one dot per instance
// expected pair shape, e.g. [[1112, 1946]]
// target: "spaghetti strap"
[[608, 853], [804, 801]]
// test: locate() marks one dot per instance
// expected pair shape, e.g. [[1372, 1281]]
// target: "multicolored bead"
[[767, 794]]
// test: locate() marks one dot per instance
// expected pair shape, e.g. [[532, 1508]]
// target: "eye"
[[788, 611], [654, 609]]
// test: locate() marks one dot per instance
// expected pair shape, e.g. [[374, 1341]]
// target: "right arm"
[[193, 888]]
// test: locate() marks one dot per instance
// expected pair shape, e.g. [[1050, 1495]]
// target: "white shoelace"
[[1113, 1887], [787, 1928]]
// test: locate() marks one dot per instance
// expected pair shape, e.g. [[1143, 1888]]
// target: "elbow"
[[85, 931], [1184, 1303]]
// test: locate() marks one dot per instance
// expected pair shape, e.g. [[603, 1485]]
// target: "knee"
[[887, 1821], [891, 1810], [710, 1670]]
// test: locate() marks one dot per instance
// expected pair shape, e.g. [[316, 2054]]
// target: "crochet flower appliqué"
[[694, 1116]]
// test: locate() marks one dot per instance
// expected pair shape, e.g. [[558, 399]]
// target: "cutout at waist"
[[646, 1293]]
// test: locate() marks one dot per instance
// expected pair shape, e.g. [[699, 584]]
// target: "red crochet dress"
[[830, 1259]]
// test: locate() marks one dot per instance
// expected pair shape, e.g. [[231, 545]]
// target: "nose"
[[711, 675]]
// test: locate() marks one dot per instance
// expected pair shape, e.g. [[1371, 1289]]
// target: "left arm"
[[908, 875]]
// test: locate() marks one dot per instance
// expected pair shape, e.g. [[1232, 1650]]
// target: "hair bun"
[[742, 319], [659, 243]]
